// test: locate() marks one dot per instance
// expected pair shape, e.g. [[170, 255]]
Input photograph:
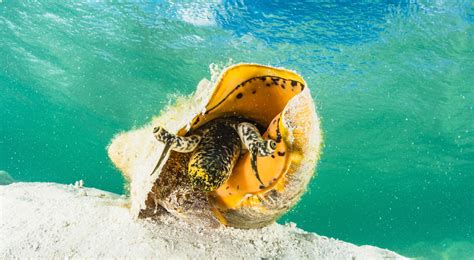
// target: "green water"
[[393, 84]]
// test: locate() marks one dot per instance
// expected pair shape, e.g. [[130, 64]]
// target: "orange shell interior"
[[258, 93]]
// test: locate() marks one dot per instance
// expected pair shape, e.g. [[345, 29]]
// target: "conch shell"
[[277, 99]]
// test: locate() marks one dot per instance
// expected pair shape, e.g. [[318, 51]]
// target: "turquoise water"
[[393, 82]]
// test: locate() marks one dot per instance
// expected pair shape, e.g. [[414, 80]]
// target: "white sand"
[[54, 220]]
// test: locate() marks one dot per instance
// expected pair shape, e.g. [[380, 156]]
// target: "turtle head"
[[269, 147]]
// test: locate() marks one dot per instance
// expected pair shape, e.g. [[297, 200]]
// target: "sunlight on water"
[[392, 82]]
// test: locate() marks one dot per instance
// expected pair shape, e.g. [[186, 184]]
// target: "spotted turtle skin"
[[213, 160], [216, 147]]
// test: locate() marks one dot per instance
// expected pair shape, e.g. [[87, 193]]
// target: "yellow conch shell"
[[277, 99]]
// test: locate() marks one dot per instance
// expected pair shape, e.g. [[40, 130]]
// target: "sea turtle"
[[204, 166], [216, 147]]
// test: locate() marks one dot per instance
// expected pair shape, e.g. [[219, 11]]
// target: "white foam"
[[198, 14]]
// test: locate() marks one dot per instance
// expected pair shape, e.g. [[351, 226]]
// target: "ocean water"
[[393, 82]]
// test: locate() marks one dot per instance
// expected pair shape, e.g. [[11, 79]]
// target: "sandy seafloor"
[[55, 220]]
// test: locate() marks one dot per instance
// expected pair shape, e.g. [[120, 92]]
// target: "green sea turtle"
[[216, 147], [204, 165]]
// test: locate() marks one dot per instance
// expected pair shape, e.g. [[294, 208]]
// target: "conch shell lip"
[[234, 79]]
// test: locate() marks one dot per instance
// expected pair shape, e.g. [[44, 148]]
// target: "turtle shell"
[[276, 99]]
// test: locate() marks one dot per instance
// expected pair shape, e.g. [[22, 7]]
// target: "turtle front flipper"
[[257, 146], [183, 144]]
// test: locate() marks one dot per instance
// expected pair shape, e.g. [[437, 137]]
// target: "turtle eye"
[[272, 144]]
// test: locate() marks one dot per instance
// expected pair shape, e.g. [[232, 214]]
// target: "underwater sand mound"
[[55, 220]]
